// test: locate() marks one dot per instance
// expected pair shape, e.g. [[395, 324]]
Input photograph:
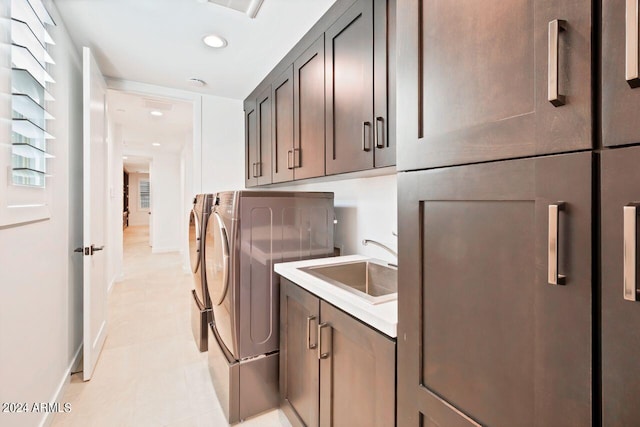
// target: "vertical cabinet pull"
[[630, 252], [631, 42], [554, 212], [309, 345], [253, 170], [365, 139], [553, 95], [378, 135], [322, 355], [290, 159]]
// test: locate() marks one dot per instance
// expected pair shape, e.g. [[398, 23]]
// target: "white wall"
[[366, 208], [166, 206], [40, 286], [222, 155], [137, 215]]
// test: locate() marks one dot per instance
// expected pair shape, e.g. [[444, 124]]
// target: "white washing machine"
[[201, 313]]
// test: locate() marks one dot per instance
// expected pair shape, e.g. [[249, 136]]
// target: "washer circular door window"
[[217, 259], [194, 241]]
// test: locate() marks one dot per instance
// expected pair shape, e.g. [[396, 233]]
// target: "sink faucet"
[[365, 242]]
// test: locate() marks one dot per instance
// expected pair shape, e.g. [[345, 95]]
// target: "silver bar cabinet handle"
[[554, 212], [630, 252], [309, 345], [631, 38], [377, 133], [321, 355], [553, 95], [365, 146], [289, 159]]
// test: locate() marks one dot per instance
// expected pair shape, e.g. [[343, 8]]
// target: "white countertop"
[[383, 317]]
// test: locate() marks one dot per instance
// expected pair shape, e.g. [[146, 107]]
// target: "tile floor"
[[150, 372]]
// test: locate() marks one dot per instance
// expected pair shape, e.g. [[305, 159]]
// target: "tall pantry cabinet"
[[619, 198], [495, 299]]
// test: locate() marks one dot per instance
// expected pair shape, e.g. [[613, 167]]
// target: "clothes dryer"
[[247, 232]]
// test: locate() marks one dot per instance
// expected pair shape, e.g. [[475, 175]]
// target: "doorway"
[[151, 158]]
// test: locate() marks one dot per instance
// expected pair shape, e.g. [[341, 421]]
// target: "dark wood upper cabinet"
[[356, 89], [349, 90], [384, 75], [282, 129], [620, 86], [475, 79], [483, 338], [258, 139], [620, 194], [263, 147], [251, 142], [308, 112], [332, 98]]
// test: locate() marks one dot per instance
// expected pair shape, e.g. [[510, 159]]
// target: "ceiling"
[[160, 41], [136, 164]]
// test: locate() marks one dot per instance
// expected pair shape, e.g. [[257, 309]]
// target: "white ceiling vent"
[[154, 104], [250, 7]]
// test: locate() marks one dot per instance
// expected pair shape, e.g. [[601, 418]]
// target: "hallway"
[[150, 372]]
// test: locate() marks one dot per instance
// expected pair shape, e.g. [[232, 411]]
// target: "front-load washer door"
[[194, 241], [217, 275]]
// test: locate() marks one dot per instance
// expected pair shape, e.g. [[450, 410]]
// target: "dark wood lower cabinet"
[[483, 337], [620, 190], [299, 369], [334, 370]]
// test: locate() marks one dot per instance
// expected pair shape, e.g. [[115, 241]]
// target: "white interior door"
[[94, 212]]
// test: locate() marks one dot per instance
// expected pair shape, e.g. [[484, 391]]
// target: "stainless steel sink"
[[373, 280]]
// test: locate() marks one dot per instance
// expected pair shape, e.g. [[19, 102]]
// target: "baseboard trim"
[[47, 418], [161, 250]]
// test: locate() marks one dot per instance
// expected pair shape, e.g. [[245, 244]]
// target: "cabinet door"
[[349, 90], [263, 145], [475, 80], [282, 139], [620, 78], [299, 367], [384, 66], [357, 372], [620, 194], [308, 110], [483, 337], [251, 142]]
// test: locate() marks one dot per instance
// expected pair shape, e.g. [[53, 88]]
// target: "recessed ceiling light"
[[156, 144], [156, 113], [196, 82], [124, 157], [214, 40]]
